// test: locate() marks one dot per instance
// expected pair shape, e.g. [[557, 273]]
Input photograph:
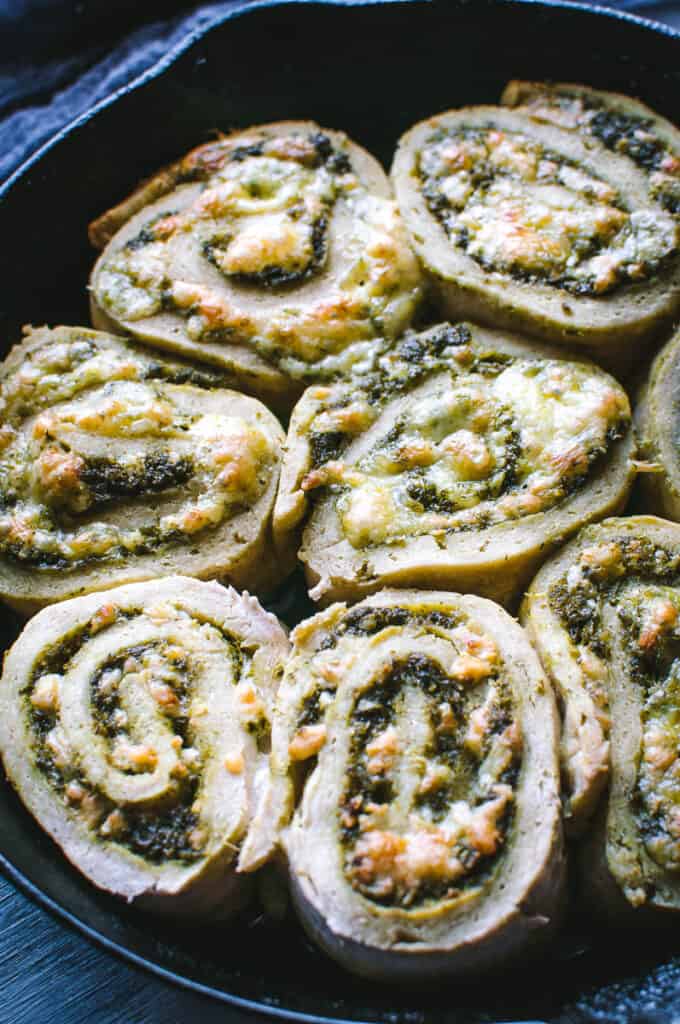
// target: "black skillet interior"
[[372, 69]]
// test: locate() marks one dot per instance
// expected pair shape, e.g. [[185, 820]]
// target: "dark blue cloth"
[[40, 94], [58, 58]]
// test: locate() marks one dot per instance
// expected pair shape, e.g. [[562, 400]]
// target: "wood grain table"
[[50, 974]]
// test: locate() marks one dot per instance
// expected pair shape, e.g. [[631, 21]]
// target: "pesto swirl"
[[406, 722], [141, 718], [455, 433], [605, 617], [109, 456], [276, 251], [515, 206]]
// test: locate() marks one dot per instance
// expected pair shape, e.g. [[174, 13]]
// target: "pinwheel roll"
[[522, 224], [455, 463], [427, 838], [134, 726], [657, 422], [604, 617], [116, 465], [622, 124], [276, 253]]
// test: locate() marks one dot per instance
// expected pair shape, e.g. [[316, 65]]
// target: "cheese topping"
[[639, 582], [517, 208], [107, 436], [267, 218], [618, 129], [425, 811], [480, 448], [124, 745]]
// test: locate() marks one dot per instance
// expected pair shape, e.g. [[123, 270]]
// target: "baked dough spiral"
[[117, 465], [427, 836], [134, 726], [524, 225], [604, 615], [455, 463], [276, 253]]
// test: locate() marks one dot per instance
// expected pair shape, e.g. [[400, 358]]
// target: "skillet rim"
[[241, 7]]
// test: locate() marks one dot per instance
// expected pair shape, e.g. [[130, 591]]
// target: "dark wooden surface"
[[49, 974]]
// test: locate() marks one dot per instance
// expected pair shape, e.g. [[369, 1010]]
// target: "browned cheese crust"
[[134, 727], [457, 463], [523, 224], [276, 253], [119, 465]]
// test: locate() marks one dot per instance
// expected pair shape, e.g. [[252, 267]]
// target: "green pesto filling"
[[163, 836], [271, 276], [106, 482], [159, 471], [156, 835], [635, 136], [371, 620], [619, 132], [105, 704], [378, 707], [656, 671], [422, 495], [578, 607], [467, 499], [655, 571], [613, 130], [409, 362]]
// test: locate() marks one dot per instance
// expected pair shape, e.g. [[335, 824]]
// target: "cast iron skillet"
[[372, 69]]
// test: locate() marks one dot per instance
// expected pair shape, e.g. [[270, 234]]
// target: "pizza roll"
[[604, 615], [456, 463], [418, 736], [524, 225], [134, 726], [117, 465], [276, 253]]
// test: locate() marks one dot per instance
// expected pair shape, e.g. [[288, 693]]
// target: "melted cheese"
[[515, 208], [477, 452], [422, 803], [624, 131], [387, 861], [141, 753], [55, 466], [264, 217]]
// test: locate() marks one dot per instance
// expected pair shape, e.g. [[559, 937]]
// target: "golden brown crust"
[[401, 868], [118, 465], [520, 278], [128, 726], [275, 253], [419, 492]]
